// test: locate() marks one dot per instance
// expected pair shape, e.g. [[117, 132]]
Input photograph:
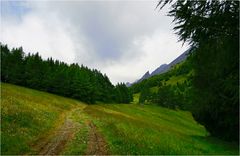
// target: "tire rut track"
[[54, 143], [96, 143]]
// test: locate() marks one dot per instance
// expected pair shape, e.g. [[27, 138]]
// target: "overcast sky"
[[123, 39]]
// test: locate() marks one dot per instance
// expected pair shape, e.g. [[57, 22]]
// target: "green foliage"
[[122, 94], [136, 98], [165, 97], [212, 29], [12, 65], [57, 77], [144, 94], [220, 108]]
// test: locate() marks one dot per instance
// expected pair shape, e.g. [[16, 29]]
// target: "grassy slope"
[[27, 115], [148, 129], [173, 80]]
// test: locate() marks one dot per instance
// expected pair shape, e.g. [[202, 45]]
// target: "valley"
[[73, 82], [35, 122]]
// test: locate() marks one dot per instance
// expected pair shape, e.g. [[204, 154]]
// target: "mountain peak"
[[165, 67], [145, 76], [147, 73]]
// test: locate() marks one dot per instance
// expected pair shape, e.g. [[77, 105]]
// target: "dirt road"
[[96, 144], [56, 140]]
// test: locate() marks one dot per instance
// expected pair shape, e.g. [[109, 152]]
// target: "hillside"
[[177, 82], [164, 67], [35, 122]]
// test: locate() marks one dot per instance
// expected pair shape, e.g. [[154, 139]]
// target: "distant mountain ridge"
[[166, 67], [163, 68], [160, 69], [145, 76]]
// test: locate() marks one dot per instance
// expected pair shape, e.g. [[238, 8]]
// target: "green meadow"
[[29, 118]]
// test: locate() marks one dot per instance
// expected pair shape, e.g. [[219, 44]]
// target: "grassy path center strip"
[[54, 143]]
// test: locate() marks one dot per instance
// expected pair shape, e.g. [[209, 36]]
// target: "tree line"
[[75, 81]]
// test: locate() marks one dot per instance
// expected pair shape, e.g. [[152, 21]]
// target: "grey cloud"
[[109, 26], [102, 34]]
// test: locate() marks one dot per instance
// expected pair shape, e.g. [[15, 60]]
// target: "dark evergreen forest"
[[210, 89], [211, 28], [54, 76]]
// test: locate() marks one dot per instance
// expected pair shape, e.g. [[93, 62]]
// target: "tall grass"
[[27, 115], [135, 129]]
